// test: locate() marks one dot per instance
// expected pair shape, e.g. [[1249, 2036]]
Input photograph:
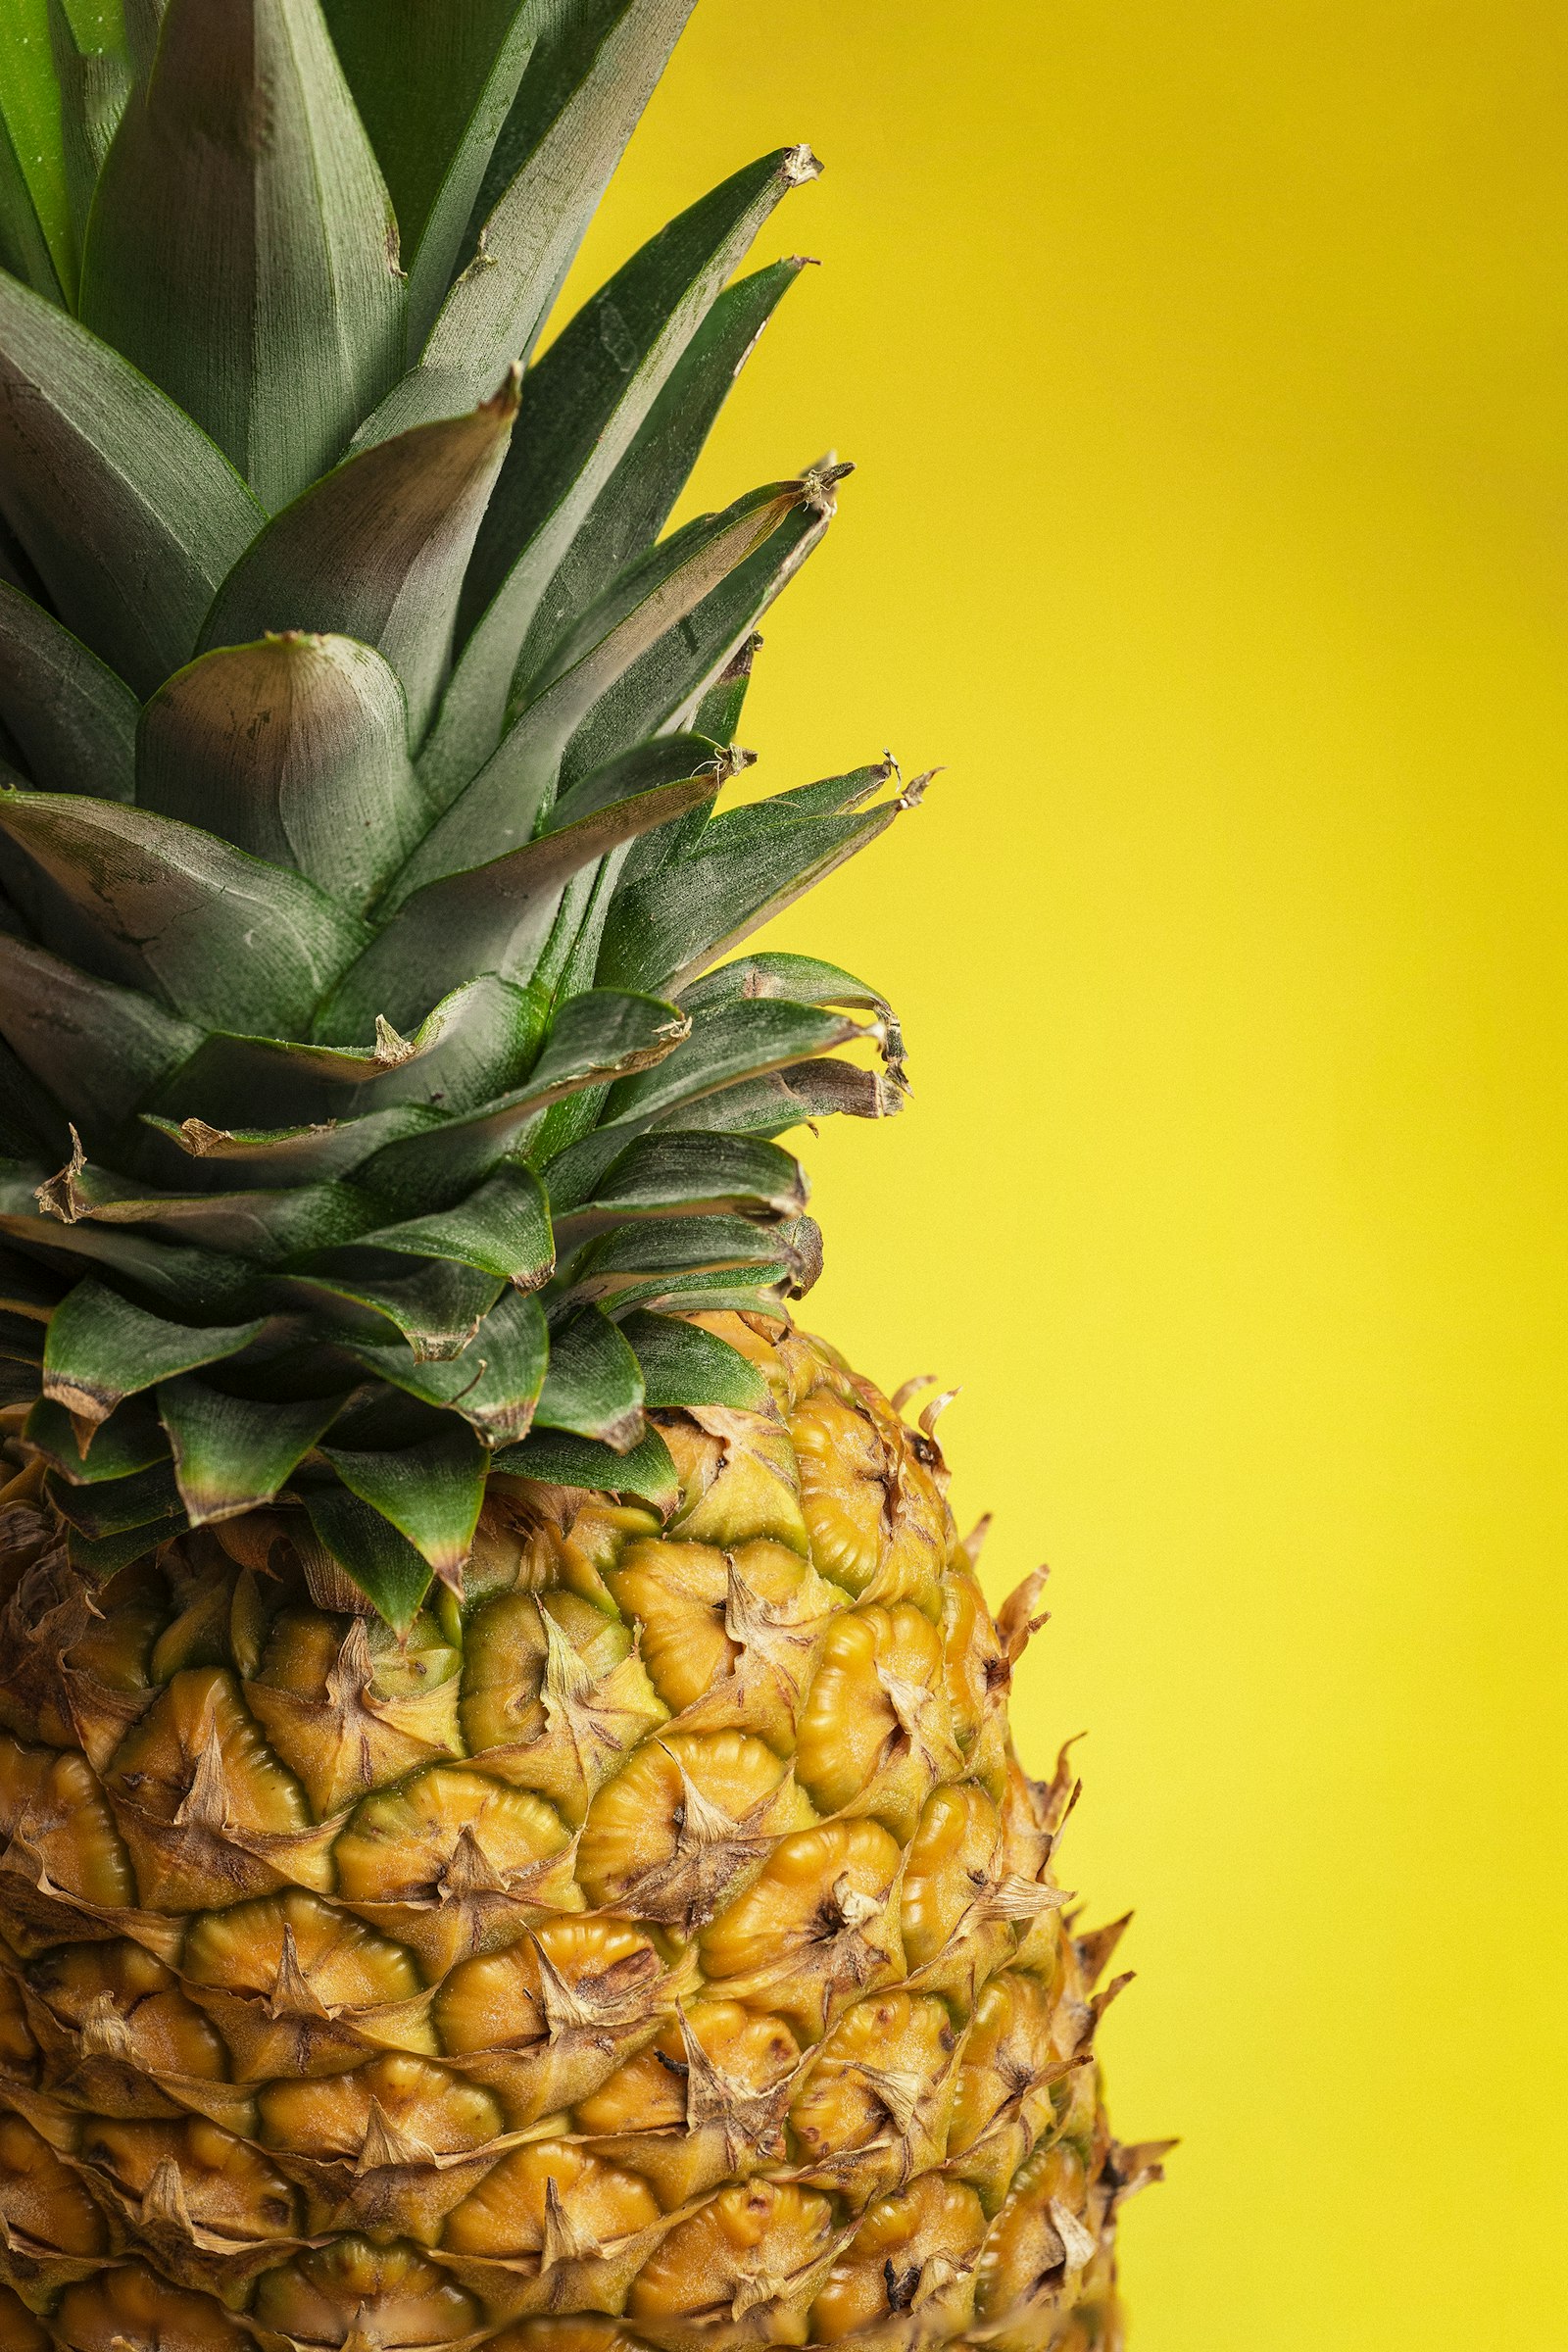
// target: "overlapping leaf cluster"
[[371, 1090]]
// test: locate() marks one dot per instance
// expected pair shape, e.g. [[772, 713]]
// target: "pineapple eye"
[[226, 2185], [390, 2292], [53, 1804], [921, 2242], [684, 1823], [552, 2199], [876, 1731], [41, 2198], [129, 2305], [759, 2246]]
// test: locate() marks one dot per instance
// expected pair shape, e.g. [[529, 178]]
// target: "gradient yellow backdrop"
[[1204, 360]]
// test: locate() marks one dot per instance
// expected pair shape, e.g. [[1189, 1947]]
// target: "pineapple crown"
[[377, 1107]]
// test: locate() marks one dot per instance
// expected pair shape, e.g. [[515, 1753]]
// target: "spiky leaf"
[[594, 1387], [393, 1576], [558, 1459], [683, 1364], [101, 1350], [151, 904], [233, 1453], [109, 486], [242, 250], [433, 82], [74, 719], [493, 1384], [587, 82], [376, 551], [583, 407], [431, 1492], [294, 749]]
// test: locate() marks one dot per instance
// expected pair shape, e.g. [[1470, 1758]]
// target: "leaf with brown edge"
[[149, 903], [1018, 1620], [233, 1453], [376, 549], [431, 1492], [557, 1458], [294, 749], [594, 1386], [502, 806], [384, 1565], [583, 406], [497, 916], [101, 1350]]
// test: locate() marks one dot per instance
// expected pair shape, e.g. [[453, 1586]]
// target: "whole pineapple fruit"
[[508, 1828]]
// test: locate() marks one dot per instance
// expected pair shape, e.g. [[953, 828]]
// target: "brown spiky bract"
[[660, 1947]]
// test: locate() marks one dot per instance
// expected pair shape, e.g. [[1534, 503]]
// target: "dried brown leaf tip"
[[62, 1195], [1018, 1620]]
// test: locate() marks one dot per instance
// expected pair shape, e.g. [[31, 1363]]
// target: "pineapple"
[[508, 1832]]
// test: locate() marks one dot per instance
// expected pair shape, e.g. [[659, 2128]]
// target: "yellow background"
[[1205, 363]]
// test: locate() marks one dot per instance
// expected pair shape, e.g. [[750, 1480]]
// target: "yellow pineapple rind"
[[659, 1949]]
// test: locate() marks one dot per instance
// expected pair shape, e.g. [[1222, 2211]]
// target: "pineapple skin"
[[659, 1949]]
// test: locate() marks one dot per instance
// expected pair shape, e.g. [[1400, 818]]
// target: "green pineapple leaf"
[[73, 719], [498, 915], [118, 1506], [731, 1041], [277, 1156], [392, 1575], [503, 805], [557, 1459], [109, 486], [97, 1562], [100, 1048], [92, 67], [265, 1227], [802, 979], [635, 1262], [635, 504], [664, 685], [594, 1386], [202, 1282], [433, 82], [133, 1439], [683, 1365], [102, 1350], [435, 1303], [582, 408], [376, 549], [218, 937], [38, 240], [670, 1175], [241, 250], [431, 1492], [232, 1453], [745, 867], [596, 1038], [295, 749], [586, 84], [502, 1227], [478, 1040], [493, 1384], [798, 1095]]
